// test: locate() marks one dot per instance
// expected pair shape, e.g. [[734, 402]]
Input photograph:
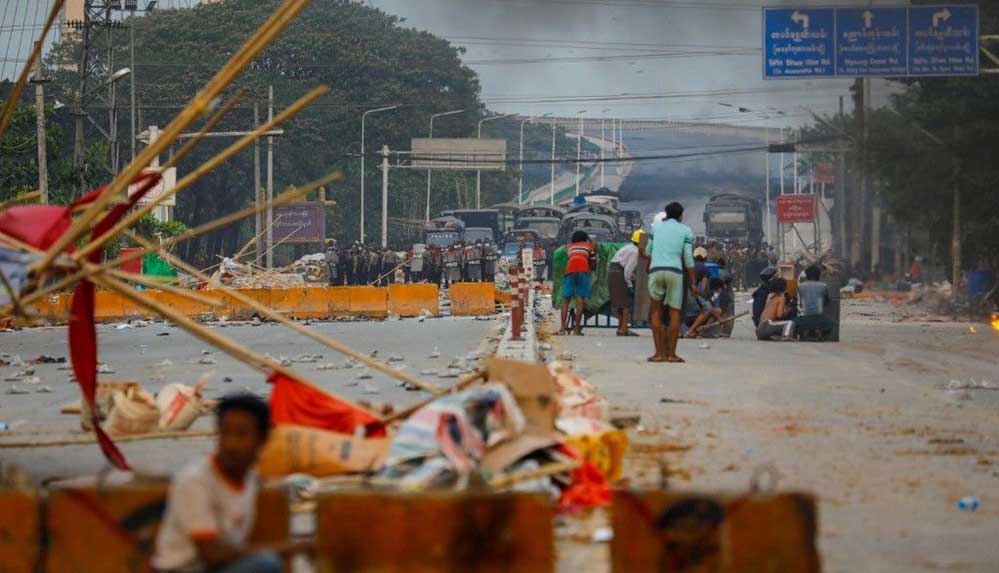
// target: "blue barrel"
[[979, 283]]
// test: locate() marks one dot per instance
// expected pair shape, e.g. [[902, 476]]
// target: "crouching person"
[[775, 322], [211, 507], [812, 323]]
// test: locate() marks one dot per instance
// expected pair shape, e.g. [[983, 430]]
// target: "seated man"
[[775, 321], [709, 311], [813, 296], [212, 504]]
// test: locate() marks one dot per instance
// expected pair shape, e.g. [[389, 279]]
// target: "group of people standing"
[[363, 265]]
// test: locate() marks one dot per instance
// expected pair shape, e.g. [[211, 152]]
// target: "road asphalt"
[[873, 426]]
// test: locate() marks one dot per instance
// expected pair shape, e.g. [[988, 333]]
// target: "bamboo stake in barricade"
[[201, 103], [276, 316], [457, 387], [205, 168], [286, 197], [190, 295], [15, 94], [262, 363], [20, 199]]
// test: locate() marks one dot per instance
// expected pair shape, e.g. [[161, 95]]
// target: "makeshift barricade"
[[20, 536], [659, 531], [113, 530], [365, 532]]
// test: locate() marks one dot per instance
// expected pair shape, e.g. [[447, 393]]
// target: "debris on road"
[[969, 503]]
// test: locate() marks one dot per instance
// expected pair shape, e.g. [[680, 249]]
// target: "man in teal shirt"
[[671, 250]]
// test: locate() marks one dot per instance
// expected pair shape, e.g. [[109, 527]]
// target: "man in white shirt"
[[621, 283], [212, 503]]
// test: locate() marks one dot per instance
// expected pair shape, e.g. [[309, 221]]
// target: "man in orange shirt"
[[576, 282]]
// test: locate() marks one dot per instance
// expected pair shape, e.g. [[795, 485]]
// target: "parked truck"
[[735, 218]]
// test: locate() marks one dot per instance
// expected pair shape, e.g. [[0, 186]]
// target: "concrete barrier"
[[20, 535], [657, 531], [473, 299], [468, 299], [113, 530], [411, 300], [369, 301], [369, 531]]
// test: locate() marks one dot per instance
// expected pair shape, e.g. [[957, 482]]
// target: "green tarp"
[[153, 265], [599, 293]]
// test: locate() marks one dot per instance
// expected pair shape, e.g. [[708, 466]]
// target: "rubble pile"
[[308, 270]]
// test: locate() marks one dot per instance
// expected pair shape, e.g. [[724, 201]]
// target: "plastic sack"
[[179, 406], [132, 412]]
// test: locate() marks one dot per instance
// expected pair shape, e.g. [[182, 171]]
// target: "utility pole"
[[270, 181], [385, 181], [955, 241], [603, 143], [766, 157], [860, 190], [551, 194], [43, 172], [579, 148], [840, 224], [259, 219]]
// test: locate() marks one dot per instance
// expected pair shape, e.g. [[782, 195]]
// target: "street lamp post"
[[579, 149], [520, 193], [363, 117], [436, 115], [478, 172], [603, 143]]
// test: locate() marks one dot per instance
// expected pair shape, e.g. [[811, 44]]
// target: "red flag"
[[293, 402], [83, 333]]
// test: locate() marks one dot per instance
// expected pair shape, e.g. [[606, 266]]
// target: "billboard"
[[796, 209], [459, 154], [167, 182], [301, 222]]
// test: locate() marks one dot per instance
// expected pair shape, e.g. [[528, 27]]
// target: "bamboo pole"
[[20, 199], [457, 387], [204, 169], [201, 102], [286, 197], [191, 295], [245, 248], [15, 95], [503, 481], [307, 332], [245, 355], [84, 440]]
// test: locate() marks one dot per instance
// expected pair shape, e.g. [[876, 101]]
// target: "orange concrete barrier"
[[338, 301], [657, 531], [367, 532], [472, 299], [113, 530], [20, 536], [368, 301], [411, 300], [239, 311], [300, 302], [108, 306]]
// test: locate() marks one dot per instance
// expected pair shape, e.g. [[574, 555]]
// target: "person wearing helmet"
[[760, 294], [621, 283]]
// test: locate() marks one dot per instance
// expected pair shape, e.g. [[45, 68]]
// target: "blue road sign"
[[943, 40], [872, 42], [914, 41], [799, 43]]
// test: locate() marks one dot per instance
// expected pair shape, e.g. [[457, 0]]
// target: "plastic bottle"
[[968, 503]]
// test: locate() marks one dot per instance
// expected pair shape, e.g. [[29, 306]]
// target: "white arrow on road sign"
[[942, 15], [868, 19], [799, 18]]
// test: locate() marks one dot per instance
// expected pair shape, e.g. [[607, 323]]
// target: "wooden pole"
[[457, 387], [201, 171], [201, 103], [262, 363], [298, 328], [191, 295], [503, 481], [20, 199]]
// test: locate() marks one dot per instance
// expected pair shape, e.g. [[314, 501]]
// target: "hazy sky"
[[650, 48], [675, 59]]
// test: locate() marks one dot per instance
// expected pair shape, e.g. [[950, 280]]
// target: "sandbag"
[[300, 449], [179, 405], [132, 412]]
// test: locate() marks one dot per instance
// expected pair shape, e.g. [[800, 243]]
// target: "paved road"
[[138, 354], [868, 425]]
